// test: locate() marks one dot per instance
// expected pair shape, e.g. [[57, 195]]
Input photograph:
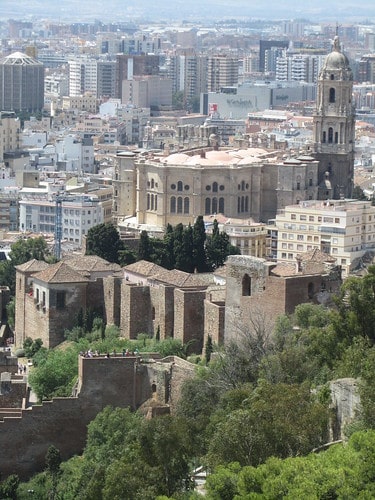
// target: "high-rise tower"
[[334, 121], [21, 83]]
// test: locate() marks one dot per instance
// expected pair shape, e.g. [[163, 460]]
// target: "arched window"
[[243, 186], [246, 203], [336, 137], [186, 205], [310, 290], [173, 205], [148, 202], [179, 186], [332, 96], [214, 205], [214, 187], [179, 205], [239, 204], [152, 202], [207, 206], [332, 77], [242, 203], [246, 286], [156, 202], [324, 137], [221, 205], [330, 135], [152, 184]]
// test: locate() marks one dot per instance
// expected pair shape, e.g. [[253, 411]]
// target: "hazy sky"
[[87, 10]]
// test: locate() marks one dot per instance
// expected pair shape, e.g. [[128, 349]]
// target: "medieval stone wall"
[[66, 317], [116, 381], [135, 310], [214, 320], [112, 299], [19, 327], [36, 324], [189, 317]]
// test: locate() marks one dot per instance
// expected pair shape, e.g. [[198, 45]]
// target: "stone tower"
[[334, 121]]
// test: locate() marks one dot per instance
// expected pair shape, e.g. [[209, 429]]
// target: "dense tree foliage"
[[22, 251], [187, 248], [104, 241], [340, 472]]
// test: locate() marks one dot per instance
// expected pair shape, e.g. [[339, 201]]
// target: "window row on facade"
[[152, 201], [179, 205]]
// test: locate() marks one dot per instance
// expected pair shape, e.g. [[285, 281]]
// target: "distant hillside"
[[88, 10]]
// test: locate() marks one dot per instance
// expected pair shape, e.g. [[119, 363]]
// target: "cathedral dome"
[[336, 59]]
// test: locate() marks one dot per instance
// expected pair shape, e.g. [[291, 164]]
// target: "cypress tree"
[[199, 251], [144, 247]]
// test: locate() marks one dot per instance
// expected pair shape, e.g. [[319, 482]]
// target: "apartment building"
[[222, 72], [80, 212], [82, 76], [344, 229]]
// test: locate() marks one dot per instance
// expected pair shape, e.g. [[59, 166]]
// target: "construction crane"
[[58, 223], [58, 226]]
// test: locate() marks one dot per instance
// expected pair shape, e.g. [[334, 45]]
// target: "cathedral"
[[255, 182], [334, 122]]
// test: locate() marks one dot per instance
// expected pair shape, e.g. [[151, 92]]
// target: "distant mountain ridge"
[[112, 10]]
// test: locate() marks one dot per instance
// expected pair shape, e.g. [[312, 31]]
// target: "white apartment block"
[[80, 212], [298, 67], [344, 229], [82, 76], [75, 154]]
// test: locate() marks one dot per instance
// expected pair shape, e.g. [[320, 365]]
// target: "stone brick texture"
[[117, 381]]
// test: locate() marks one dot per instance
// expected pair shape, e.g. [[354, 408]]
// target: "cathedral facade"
[[247, 183]]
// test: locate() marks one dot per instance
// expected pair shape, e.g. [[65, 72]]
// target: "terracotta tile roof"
[[316, 255], [170, 277], [144, 268], [32, 266], [60, 273], [181, 279], [90, 263], [284, 269]]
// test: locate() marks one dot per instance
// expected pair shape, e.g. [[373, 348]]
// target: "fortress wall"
[[189, 317], [25, 440], [214, 319], [117, 381], [135, 310], [37, 322], [112, 299], [95, 294], [65, 318]]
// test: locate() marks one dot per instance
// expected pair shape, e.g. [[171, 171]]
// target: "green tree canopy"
[[22, 251], [104, 241]]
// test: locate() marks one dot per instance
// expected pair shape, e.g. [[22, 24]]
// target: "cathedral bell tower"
[[334, 120]]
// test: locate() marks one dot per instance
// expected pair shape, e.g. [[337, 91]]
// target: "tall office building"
[[138, 65], [299, 67], [188, 72], [334, 120], [82, 76], [106, 86], [21, 83], [267, 45], [222, 72]]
